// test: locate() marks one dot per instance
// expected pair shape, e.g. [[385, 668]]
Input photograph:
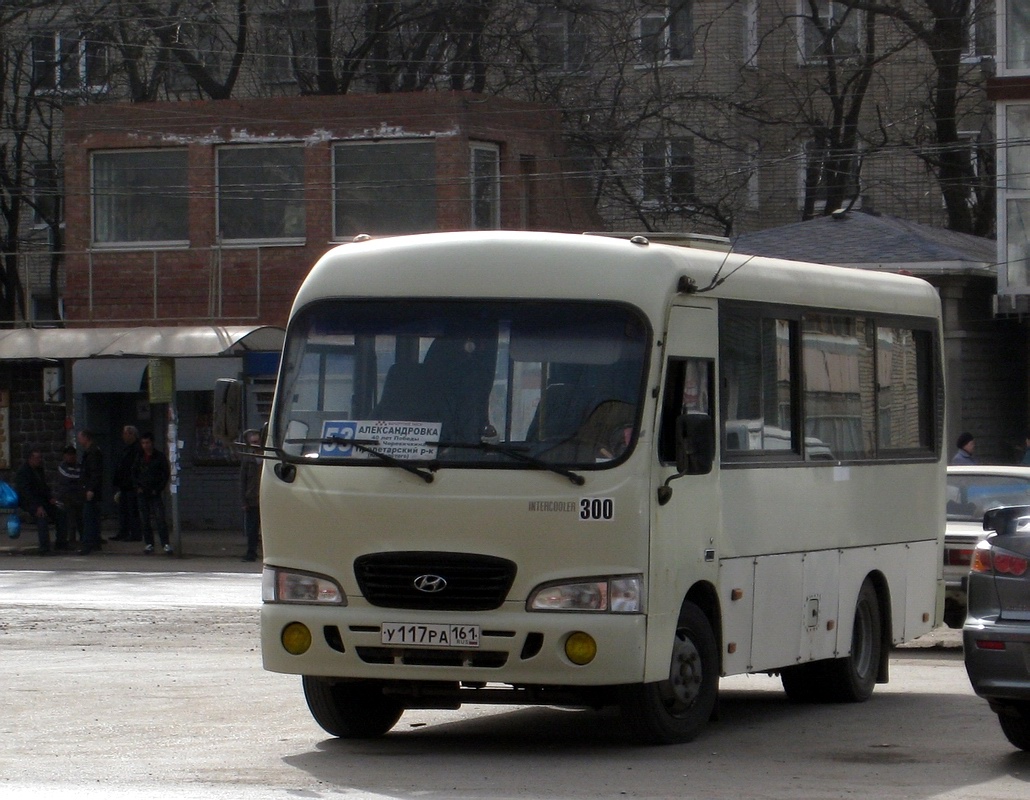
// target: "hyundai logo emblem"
[[430, 583]]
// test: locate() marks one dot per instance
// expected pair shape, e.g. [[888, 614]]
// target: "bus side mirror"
[[228, 405], [695, 444]]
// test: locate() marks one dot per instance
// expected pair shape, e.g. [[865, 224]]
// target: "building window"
[[560, 42], [485, 174], [288, 48], [1016, 35], [828, 28], [667, 171], [46, 194], [140, 196], [979, 31], [667, 32], [66, 61], [822, 172], [1014, 194], [261, 192], [384, 187]]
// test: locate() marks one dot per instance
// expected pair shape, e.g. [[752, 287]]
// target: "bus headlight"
[[622, 594], [287, 586]]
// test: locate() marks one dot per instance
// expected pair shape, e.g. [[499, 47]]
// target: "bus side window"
[[686, 408]]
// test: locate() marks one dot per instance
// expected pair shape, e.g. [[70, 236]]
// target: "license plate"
[[418, 635]]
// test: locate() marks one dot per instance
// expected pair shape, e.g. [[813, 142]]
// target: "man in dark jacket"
[[150, 475], [93, 485], [129, 528], [250, 489], [36, 500]]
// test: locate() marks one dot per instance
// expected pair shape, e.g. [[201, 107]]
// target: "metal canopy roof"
[[170, 342]]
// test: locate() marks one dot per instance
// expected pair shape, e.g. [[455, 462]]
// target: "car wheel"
[[351, 710], [676, 709], [1015, 724], [843, 680]]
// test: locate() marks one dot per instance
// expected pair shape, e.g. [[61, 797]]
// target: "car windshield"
[[969, 496], [519, 384]]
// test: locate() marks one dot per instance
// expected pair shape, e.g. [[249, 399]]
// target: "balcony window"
[[384, 187], [667, 172], [486, 187], [1017, 36], [140, 196], [560, 42], [64, 61], [667, 32], [261, 192], [834, 29]]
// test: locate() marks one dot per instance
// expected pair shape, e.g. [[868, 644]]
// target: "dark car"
[[996, 634], [972, 490]]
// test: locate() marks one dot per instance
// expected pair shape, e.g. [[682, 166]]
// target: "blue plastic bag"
[[13, 526], [8, 497]]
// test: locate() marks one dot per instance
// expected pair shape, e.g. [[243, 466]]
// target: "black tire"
[[843, 680], [675, 710], [351, 709], [1015, 724]]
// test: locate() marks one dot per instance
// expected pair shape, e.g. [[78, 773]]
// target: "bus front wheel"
[[676, 709], [843, 680], [351, 709]]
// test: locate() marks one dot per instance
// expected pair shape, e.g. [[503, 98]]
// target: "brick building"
[[203, 212]]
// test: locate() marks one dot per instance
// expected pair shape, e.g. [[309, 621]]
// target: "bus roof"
[[531, 265]]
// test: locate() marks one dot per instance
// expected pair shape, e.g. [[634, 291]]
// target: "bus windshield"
[[462, 382]]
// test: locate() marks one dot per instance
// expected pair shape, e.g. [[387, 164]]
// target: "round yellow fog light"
[[296, 638], [580, 648]]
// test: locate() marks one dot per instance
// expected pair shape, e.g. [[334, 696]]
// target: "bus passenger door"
[[685, 498]]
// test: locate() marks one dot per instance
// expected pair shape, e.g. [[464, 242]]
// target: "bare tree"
[[947, 29]]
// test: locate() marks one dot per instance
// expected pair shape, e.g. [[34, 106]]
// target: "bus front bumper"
[[514, 646]]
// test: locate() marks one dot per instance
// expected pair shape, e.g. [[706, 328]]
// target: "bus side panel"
[[821, 605], [924, 591], [778, 611], [737, 599]]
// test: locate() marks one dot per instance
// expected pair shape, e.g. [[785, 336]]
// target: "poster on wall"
[[5, 429]]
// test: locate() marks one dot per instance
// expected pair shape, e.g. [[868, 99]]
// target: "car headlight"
[[287, 586], [622, 594]]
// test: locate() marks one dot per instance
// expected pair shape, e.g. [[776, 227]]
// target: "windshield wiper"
[[364, 445], [518, 455]]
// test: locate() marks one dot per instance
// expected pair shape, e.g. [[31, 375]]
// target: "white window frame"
[[300, 186], [134, 244], [70, 60], [1006, 27], [975, 35], [828, 13], [476, 150], [662, 21], [1009, 236]]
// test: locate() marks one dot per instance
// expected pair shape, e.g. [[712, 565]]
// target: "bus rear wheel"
[[351, 709], [843, 680], [675, 710]]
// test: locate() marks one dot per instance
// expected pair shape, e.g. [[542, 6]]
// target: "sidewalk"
[[201, 551]]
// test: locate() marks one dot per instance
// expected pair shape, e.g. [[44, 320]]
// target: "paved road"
[[131, 685]]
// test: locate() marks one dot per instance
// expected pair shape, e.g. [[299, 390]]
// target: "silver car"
[[996, 633], [972, 491]]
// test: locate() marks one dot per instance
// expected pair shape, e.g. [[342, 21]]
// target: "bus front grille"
[[434, 581]]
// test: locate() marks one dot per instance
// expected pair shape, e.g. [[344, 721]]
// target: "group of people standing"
[[73, 507]]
